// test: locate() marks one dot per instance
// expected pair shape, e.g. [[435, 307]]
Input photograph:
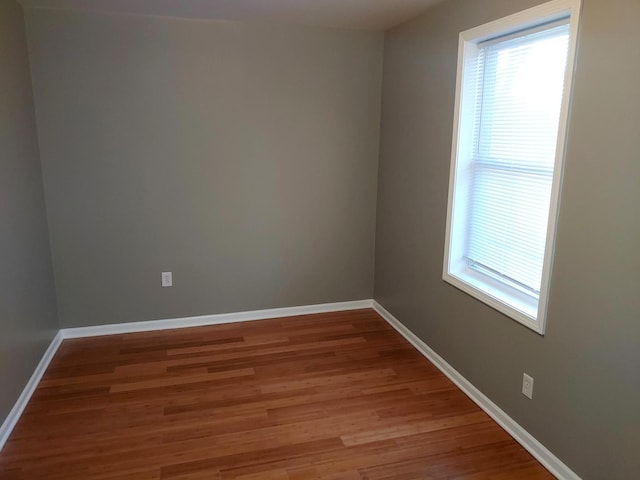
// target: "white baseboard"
[[524, 438], [204, 320], [80, 332], [533, 446], [14, 415]]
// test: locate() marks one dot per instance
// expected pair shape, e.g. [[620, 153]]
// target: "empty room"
[[319, 239]]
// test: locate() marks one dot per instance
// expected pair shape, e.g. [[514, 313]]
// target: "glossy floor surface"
[[330, 396]]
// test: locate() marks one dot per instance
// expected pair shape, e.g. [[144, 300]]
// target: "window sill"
[[517, 305]]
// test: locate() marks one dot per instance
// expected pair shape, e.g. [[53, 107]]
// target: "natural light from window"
[[507, 161]]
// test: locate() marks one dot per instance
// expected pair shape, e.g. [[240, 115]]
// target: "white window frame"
[[519, 306]]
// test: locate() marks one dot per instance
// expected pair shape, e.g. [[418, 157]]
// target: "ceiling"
[[357, 14]]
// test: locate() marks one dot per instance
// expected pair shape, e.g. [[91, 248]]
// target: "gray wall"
[[242, 158], [586, 368], [28, 319]]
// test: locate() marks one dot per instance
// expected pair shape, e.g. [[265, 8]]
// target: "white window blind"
[[520, 84], [509, 134]]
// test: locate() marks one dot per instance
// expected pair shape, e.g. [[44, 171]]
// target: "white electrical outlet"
[[167, 279], [527, 386]]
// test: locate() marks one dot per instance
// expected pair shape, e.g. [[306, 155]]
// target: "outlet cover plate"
[[167, 279], [527, 386]]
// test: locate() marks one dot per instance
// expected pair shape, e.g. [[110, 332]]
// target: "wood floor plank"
[[336, 396]]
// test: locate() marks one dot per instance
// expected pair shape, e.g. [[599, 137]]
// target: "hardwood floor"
[[331, 396]]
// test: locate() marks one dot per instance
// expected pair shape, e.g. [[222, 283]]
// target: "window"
[[514, 79]]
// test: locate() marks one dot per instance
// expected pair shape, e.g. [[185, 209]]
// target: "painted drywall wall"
[[28, 319], [243, 158], [587, 385]]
